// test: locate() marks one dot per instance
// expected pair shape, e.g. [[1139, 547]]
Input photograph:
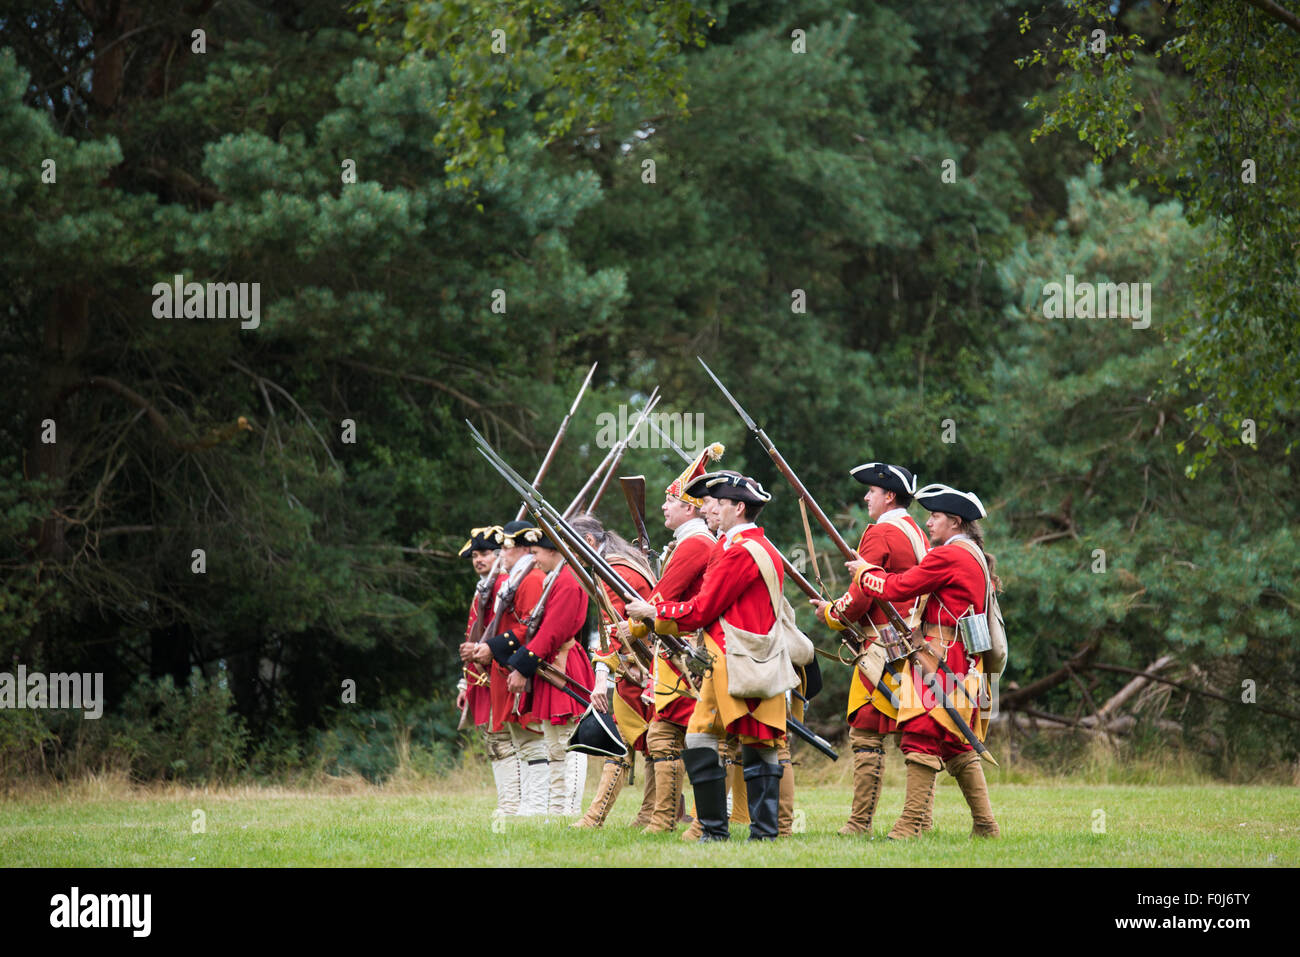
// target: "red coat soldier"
[[684, 563], [474, 699], [734, 588], [517, 593], [953, 576], [896, 543], [551, 715]]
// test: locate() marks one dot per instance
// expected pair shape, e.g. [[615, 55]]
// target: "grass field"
[[449, 824]]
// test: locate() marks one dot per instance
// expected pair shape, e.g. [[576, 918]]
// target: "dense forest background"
[[852, 212]]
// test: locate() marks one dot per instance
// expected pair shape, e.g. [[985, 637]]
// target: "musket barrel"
[[816, 740], [603, 468], [559, 434], [621, 448]]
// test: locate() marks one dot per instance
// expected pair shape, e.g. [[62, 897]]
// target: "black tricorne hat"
[[737, 488], [512, 530], [698, 486], [535, 536], [943, 498], [597, 734], [892, 478], [486, 539]]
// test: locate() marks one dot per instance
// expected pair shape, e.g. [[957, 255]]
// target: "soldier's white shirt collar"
[[957, 537], [732, 532], [692, 527], [892, 514], [521, 567]]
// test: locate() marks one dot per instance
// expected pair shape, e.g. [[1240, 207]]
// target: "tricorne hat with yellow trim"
[[677, 489], [484, 539], [513, 530]]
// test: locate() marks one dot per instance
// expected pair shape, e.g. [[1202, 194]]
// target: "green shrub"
[[186, 734]]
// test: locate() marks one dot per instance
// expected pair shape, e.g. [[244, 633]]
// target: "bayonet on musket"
[[622, 448], [559, 434], [605, 468]]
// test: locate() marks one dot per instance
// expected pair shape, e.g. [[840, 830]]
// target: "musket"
[[851, 629], [816, 740], [613, 466], [640, 651], [671, 444], [634, 492], [895, 619], [562, 681], [555, 442], [580, 573], [694, 660], [636, 644], [604, 466]]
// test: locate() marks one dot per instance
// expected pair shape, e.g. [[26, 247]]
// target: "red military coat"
[[888, 546], [683, 574], [953, 578], [478, 697], [512, 620], [733, 587], [559, 641]]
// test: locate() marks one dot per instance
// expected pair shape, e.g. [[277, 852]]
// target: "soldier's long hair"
[[977, 536], [610, 543]]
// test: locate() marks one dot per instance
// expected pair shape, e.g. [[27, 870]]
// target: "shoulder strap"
[[641, 570], [974, 549], [764, 562], [918, 552], [913, 537]]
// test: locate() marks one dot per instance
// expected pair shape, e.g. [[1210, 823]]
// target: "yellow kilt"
[[716, 709], [914, 702]]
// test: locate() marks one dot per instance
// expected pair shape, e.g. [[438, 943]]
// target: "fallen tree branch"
[[1133, 687], [1010, 700], [1186, 687]]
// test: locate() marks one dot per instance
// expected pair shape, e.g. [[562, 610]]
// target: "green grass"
[[450, 825]]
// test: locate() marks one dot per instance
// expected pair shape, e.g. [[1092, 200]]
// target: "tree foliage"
[[1227, 146], [440, 233]]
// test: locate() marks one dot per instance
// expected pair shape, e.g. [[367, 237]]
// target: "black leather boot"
[[709, 779], [763, 787]]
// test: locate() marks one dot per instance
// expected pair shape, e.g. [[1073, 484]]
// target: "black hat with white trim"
[[535, 536], [943, 498], [486, 539], [511, 534], [737, 488], [892, 478], [597, 734], [699, 486]]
